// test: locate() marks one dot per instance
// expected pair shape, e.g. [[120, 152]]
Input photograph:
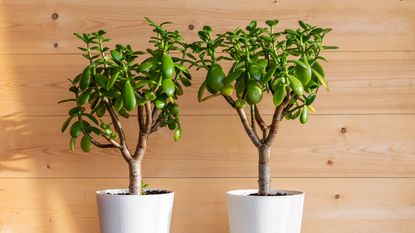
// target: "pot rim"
[[105, 192], [246, 192]]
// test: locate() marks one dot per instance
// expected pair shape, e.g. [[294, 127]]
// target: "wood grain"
[[367, 205], [358, 147], [370, 25], [361, 83], [217, 146]]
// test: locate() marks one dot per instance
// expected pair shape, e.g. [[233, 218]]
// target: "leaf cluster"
[[285, 64], [115, 83]]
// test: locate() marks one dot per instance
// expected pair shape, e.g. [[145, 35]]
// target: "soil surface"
[[147, 192], [271, 194]]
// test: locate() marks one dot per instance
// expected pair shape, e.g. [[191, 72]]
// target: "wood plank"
[[217, 146], [370, 25], [361, 83], [68, 205]]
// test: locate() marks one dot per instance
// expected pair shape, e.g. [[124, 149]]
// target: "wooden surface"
[[367, 25], [361, 83], [340, 205], [318, 149], [355, 159]]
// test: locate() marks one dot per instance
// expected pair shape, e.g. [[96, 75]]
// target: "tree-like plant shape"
[[115, 84], [284, 64]]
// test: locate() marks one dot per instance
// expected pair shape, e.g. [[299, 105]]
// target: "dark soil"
[[271, 194], [147, 192]]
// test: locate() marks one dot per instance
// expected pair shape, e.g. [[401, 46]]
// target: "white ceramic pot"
[[265, 214], [134, 213]]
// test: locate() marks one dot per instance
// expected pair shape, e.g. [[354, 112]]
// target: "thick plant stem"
[[134, 187], [264, 171]]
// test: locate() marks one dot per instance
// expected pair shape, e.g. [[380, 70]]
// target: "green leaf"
[[129, 99], [177, 134], [116, 55], [310, 99], [79, 36], [207, 29], [76, 129], [330, 47], [304, 115], [252, 25], [75, 111], [101, 109], [201, 91], [303, 25], [83, 98], [91, 117], [146, 64], [271, 23], [95, 130], [112, 80], [72, 144], [118, 104], [112, 93], [292, 32], [182, 68], [66, 100], [322, 58], [233, 76], [86, 143], [66, 124], [279, 95], [270, 73], [186, 82], [85, 78], [296, 85], [302, 64], [101, 80], [321, 79], [142, 83], [169, 87]]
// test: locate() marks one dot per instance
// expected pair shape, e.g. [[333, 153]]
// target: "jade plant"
[[282, 65], [115, 84]]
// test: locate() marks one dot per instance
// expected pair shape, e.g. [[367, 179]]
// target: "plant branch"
[[140, 117], [154, 113], [145, 130], [261, 123], [252, 109], [149, 118], [276, 119], [101, 145], [118, 127], [230, 101], [248, 129]]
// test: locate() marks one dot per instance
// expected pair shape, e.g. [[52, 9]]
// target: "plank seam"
[[205, 177], [221, 115], [344, 51]]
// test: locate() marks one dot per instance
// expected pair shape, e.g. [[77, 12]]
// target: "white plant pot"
[[134, 213], [265, 214]]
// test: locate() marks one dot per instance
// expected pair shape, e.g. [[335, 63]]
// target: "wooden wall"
[[355, 159]]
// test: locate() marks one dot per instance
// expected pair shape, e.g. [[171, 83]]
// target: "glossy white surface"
[[265, 214], [134, 213]]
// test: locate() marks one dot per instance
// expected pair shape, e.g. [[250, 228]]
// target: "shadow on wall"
[[37, 191], [31, 145], [31, 199], [14, 132]]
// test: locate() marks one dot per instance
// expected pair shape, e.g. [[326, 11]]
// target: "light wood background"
[[355, 159]]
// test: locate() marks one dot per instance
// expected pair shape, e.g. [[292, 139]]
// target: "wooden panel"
[[363, 83], [68, 205], [369, 25], [217, 146]]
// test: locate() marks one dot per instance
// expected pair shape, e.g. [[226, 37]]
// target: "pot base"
[[265, 214], [134, 213]]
